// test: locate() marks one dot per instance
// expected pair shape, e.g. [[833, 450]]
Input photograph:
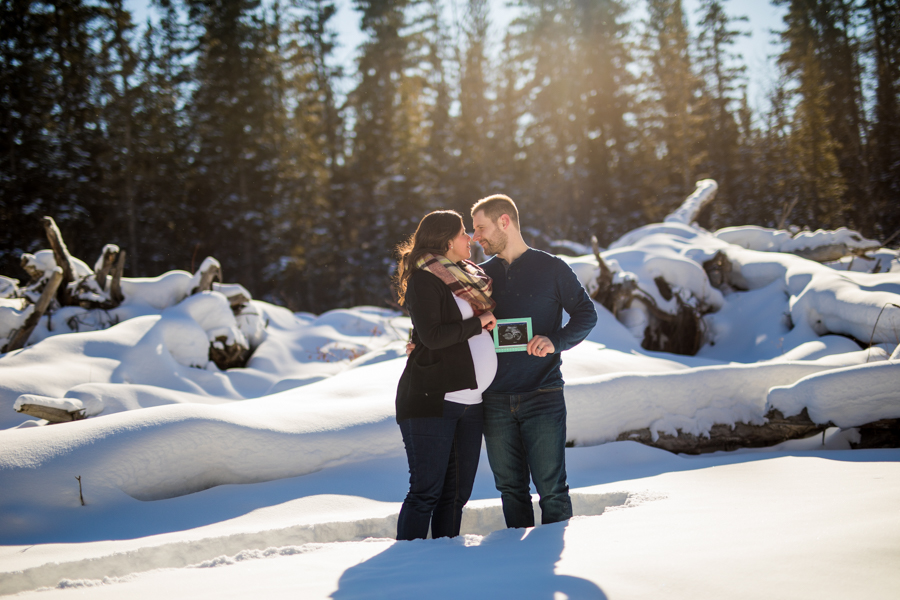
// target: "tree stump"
[[105, 264]]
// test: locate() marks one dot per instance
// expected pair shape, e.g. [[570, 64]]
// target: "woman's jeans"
[[443, 457], [525, 435]]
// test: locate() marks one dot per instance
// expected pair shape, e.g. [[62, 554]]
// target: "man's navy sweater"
[[540, 286]]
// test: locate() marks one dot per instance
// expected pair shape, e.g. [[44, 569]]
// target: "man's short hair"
[[496, 206]]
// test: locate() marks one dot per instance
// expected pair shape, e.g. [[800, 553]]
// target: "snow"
[[8, 286], [774, 240], [845, 397], [284, 478]]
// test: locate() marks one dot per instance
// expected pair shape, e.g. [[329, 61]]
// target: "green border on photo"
[[512, 335]]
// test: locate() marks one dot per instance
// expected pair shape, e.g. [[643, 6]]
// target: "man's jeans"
[[527, 433], [443, 455]]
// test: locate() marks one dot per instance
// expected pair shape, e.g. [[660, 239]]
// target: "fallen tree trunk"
[[51, 414], [777, 429], [690, 209], [880, 434], [24, 332]]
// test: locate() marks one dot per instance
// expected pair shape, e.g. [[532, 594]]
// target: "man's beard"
[[496, 245]]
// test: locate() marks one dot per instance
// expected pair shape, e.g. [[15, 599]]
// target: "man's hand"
[[409, 348], [540, 346]]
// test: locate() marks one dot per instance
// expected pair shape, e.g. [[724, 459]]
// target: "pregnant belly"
[[485, 359]]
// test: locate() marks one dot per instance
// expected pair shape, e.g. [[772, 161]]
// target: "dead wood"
[[61, 255], [105, 264], [115, 288], [54, 415], [679, 333], [238, 302], [831, 252], [212, 273], [880, 434], [786, 210], [777, 429], [228, 356], [29, 267], [21, 336], [718, 271], [606, 294]]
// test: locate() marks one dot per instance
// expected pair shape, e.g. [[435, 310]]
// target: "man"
[[524, 407]]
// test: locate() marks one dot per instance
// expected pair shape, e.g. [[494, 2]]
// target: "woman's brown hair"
[[433, 235]]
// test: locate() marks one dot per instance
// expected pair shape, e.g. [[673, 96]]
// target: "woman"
[[439, 394]]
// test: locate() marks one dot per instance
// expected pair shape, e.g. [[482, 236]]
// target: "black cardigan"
[[441, 361]]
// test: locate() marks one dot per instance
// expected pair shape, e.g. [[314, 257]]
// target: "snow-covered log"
[[820, 245], [689, 210], [725, 438], [52, 410], [825, 301]]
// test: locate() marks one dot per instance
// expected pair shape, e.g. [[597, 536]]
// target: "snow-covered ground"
[[285, 478]]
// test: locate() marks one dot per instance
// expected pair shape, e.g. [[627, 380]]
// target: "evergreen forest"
[[226, 128]]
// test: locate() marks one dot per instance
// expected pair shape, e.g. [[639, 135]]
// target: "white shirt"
[[483, 355]]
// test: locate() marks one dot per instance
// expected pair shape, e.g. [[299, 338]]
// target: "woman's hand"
[[488, 320]]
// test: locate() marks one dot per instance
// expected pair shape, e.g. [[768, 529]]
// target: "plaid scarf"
[[465, 279]]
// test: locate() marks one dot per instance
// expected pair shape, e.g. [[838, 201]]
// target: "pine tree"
[[813, 151], [380, 203], [313, 156], [777, 186], [51, 120], [28, 97], [236, 118], [474, 121], [672, 129], [160, 138], [884, 136], [819, 35], [573, 106], [722, 83], [115, 208]]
